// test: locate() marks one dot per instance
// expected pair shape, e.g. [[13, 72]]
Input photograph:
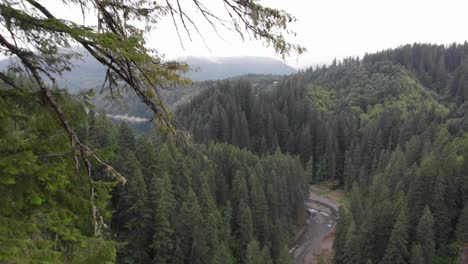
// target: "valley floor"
[[314, 244]]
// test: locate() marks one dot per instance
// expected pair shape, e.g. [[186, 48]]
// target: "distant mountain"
[[227, 67], [88, 73]]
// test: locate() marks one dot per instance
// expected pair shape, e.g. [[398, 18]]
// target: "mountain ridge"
[[88, 73]]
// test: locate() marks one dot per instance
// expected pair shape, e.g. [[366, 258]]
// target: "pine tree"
[[442, 218], [163, 207], [188, 222], [223, 255], [283, 257], [244, 135], [417, 256], [356, 203], [135, 213], [259, 209], [397, 247], [462, 227], [340, 238], [239, 190], [425, 235], [245, 227], [102, 134], [310, 170], [126, 138], [147, 157], [253, 255], [352, 248], [92, 127]]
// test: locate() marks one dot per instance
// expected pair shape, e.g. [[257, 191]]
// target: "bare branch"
[[171, 10]]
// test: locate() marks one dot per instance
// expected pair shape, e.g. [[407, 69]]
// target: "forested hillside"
[[390, 128], [228, 207], [221, 205], [327, 116], [77, 189]]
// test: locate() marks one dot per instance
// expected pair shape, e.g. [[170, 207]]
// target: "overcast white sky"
[[327, 28]]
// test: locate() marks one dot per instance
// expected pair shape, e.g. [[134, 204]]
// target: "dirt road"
[[320, 224]]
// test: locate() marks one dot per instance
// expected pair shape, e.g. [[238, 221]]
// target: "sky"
[[326, 28]]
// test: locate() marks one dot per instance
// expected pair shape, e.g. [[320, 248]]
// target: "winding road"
[[321, 222]]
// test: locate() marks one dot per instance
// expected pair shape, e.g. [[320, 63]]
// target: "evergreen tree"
[[163, 209], [397, 246], [442, 218], [417, 256], [245, 227], [462, 227], [352, 248], [425, 235], [283, 257], [135, 215], [223, 255], [188, 223], [254, 255], [126, 138], [340, 238], [356, 206], [259, 209]]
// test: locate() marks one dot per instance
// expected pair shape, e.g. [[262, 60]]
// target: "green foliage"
[[394, 136], [46, 208], [397, 246], [322, 99], [425, 234], [164, 202], [352, 247], [191, 209], [417, 256], [391, 129], [340, 238], [462, 227]]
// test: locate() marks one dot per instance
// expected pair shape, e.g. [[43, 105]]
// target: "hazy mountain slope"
[[88, 73], [227, 67]]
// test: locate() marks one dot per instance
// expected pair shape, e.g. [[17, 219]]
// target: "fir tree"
[[397, 246], [417, 256], [136, 214], [253, 255], [425, 235], [352, 248], [340, 238], [356, 203], [462, 227], [188, 223], [163, 209], [245, 227]]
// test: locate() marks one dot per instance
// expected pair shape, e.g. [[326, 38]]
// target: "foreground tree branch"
[[26, 59]]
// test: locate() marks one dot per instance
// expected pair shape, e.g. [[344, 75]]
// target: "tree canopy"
[[44, 45]]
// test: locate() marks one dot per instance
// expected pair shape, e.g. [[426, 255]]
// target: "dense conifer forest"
[[225, 206], [390, 129]]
